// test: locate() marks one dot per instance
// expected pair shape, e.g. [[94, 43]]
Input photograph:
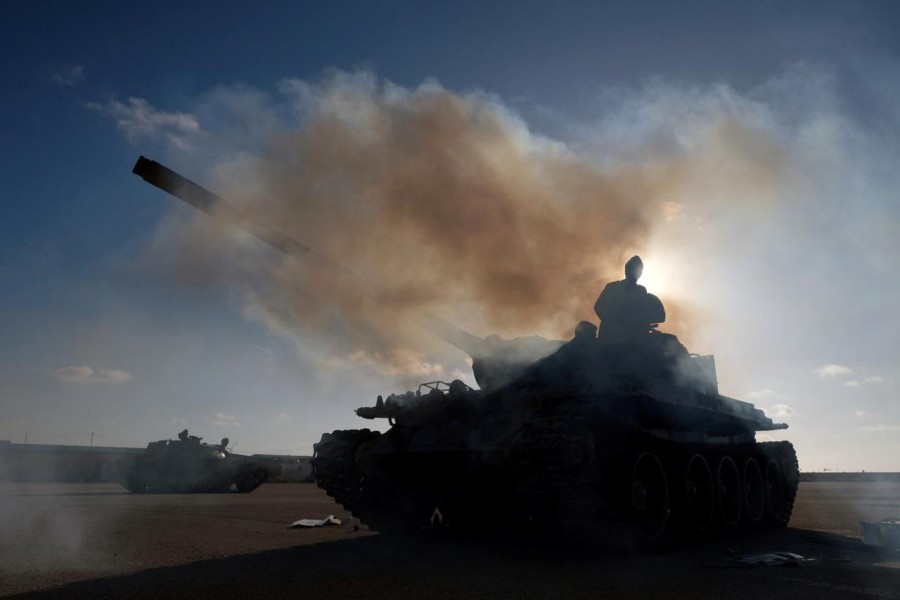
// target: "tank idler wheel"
[[774, 491], [728, 485], [754, 491], [650, 496], [700, 493]]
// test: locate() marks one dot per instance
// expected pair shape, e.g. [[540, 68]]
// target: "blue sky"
[[747, 151]]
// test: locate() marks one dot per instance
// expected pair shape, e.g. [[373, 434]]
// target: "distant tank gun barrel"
[[199, 197]]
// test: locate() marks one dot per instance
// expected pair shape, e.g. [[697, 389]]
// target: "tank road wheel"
[[774, 491], [650, 496], [700, 493], [754, 491], [728, 486]]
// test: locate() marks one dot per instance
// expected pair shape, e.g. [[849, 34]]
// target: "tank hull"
[[189, 467], [611, 464]]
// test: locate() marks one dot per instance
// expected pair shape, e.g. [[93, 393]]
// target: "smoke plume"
[[429, 201], [433, 201]]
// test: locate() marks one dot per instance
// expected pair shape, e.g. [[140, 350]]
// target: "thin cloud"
[[782, 410], [223, 420], [880, 427], [68, 76], [868, 380], [84, 374], [765, 393], [832, 370], [139, 120], [864, 414]]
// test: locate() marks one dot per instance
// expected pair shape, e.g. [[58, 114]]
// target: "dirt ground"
[[96, 541]]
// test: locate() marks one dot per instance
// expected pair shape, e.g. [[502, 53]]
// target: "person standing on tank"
[[626, 310]]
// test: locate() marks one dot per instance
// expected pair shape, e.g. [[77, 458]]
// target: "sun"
[[660, 274]]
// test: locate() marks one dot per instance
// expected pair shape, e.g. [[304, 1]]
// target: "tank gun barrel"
[[199, 197]]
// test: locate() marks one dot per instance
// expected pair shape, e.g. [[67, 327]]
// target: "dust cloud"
[[37, 536]]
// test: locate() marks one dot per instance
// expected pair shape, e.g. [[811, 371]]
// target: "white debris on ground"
[[329, 520]]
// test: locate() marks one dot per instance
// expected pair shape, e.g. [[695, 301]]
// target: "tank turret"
[[495, 361]]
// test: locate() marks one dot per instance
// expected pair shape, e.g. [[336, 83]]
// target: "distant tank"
[[626, 442], [188, 466]]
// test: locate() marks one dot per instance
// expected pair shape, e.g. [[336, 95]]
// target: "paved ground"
[[94, 541]]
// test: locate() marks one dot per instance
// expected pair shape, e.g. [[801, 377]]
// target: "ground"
[[96, 540]]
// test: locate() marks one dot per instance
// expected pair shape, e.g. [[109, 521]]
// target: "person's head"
[[585, 330], [633, 268]]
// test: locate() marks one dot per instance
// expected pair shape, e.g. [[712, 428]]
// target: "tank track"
[[558, 458], [336, 472], [785, 456], [573, 476]]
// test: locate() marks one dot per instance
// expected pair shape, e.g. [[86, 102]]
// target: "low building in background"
[[54, 463], [849, 476]]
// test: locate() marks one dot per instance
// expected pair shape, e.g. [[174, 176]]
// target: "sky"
[[492, 163]]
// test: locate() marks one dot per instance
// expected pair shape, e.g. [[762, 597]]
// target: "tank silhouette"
[[592, 441], [626, 440], [188, 466]]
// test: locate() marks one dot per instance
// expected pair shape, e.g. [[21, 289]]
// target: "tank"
[[623, 443], [188, 466], [626, 441]]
